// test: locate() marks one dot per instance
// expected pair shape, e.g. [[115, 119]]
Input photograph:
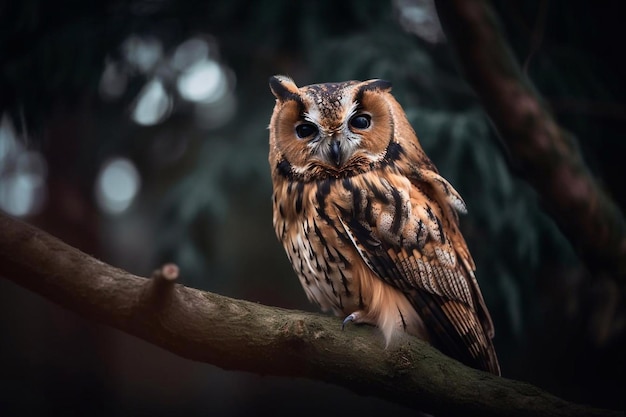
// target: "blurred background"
[[137, 132]]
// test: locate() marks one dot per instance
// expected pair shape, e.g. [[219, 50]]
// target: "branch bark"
[[546, 154], [241, 335]]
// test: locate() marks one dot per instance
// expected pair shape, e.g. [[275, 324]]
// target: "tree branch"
[[546, 154], [241, 335]]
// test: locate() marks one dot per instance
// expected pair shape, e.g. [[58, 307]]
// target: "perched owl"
[[368, 224]]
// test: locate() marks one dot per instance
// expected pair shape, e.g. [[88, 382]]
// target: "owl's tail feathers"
[[492, 364], [455, 330]]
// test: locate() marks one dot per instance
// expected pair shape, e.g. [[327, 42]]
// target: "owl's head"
[[331, 130]]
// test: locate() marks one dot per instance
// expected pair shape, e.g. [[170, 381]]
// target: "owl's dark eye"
[[360, 121], [305, 130]]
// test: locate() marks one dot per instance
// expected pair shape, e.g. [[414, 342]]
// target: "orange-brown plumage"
[[367, 222]]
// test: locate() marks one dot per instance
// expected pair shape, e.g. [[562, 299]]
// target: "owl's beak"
[[335, 152]]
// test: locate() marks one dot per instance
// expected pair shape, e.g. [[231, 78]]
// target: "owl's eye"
[[305, 130], [360, 121]]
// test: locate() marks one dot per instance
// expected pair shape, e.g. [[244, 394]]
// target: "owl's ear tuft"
[[283, 88], [376, 84]]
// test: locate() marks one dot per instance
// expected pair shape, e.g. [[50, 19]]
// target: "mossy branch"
[[242, 335]]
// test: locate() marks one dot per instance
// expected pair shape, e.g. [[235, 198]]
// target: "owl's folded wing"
[[415, 255]]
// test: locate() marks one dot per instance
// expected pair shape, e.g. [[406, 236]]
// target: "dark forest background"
[[136, 131]]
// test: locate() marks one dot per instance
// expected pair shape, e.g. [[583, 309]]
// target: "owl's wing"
[[412, 242]]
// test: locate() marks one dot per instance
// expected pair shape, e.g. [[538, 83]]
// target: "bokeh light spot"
[[9, 146], [113, 81], [153, 104], [22, 174], [203, 81], [117, 185], [142, 53], [22, 194]]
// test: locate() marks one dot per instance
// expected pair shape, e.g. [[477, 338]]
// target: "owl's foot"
[[352, 317]]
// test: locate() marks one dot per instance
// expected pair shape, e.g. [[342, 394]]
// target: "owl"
[[369, 226]]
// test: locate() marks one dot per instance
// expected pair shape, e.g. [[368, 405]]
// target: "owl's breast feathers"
[[385, 243]]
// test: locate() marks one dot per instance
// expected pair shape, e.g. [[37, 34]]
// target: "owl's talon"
[[351, 317]]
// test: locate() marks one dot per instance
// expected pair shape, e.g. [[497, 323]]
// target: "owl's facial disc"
[[332, 129]]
